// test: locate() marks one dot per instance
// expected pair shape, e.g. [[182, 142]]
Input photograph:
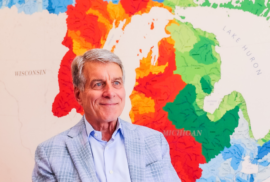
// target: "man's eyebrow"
[[96, 80], [118, 78]]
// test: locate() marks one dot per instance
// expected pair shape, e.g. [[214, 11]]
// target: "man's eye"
[[98, 84], [117, 84]]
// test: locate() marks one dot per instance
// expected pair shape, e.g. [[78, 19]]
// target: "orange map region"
[[148, 98], [89, 23]]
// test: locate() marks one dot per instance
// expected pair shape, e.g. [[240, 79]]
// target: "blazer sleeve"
[[170, 173], [42, 170]]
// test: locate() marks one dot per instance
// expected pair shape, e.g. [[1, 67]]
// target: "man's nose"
[[108, 91]]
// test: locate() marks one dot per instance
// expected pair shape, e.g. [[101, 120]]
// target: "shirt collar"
[[89, 127]]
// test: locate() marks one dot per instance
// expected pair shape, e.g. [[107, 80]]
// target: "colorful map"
[[196, 74]]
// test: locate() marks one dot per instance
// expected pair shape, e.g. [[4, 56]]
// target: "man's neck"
[[106, 128]]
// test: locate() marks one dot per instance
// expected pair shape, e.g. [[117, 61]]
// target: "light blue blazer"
[[68, 157]]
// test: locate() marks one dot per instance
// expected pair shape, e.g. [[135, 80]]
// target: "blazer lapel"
[[135, 151], [81, 153]]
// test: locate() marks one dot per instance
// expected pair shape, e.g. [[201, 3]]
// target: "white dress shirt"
[[109, 157]]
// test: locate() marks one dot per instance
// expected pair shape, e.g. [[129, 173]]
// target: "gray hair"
[[93, 55]]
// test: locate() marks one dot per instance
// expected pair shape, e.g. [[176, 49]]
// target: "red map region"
[[89, 23], [65, 100], [90, 29], [133, 6], [186, 153]]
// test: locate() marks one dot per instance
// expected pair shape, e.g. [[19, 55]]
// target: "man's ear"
[[78, 95]]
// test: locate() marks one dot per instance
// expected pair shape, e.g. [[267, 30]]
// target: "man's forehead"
[[100, 65], [96, 70]]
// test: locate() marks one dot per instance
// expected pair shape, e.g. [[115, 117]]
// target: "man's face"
[[103, 98]]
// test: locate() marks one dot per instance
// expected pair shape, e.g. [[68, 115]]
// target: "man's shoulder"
[[59, 140], [55, 142]]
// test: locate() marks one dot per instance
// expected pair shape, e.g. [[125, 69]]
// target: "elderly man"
[[102, 147]]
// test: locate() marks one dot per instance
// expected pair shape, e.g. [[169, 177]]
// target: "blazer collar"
[[81, 152], [80, 127], [135, 151]]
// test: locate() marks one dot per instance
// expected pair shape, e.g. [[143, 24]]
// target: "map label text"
[[30, 73], [246, 50]]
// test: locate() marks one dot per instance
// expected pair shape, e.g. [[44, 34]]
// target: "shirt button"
[[111, 171], [95, 135]]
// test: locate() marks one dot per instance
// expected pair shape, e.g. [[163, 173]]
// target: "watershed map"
[[198, 73]]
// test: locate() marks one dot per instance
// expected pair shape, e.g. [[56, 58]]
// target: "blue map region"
[[239, 179], [235, 152], [216, 169], [113, 1], [264, 163], [117, 1], [160, 1], [58, 6], [245, 178], [33, 6], [212, 167], [227, 166], [263, 150], [210, 179], [251, 179]]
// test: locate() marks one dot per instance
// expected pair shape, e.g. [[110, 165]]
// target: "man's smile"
[[108, 104]]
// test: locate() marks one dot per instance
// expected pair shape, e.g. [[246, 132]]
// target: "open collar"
[[82, 157]]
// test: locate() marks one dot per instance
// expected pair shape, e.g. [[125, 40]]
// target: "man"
[[102, 147]]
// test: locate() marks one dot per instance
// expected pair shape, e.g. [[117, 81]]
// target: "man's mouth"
[[108, 104]]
